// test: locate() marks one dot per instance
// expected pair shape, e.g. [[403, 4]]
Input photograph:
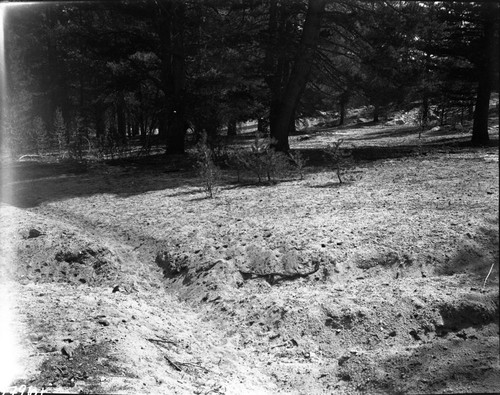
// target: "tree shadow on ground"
[[29, 185], [431, 368], [32, 183], [479, 251], [316, 157], [333, 185], [349, 124], [395, 132]]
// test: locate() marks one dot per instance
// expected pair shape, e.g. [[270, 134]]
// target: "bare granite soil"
[[127, 279]]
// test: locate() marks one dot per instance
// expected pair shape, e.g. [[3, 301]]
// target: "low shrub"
[[206, 166], [262, 160], [337, 156]]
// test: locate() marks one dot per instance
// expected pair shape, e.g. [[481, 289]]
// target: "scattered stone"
[[392, 333], [116, 288], [343, 359], [103, 322], [273, 335], [418, 303], [415, 335], [68, 350], [33, 233]]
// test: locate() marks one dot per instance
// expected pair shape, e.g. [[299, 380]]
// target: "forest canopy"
[[106, 73]]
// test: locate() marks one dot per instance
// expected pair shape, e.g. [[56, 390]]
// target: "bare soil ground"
[[137, 283]]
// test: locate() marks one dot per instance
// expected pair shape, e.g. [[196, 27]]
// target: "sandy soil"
[[138, 283]]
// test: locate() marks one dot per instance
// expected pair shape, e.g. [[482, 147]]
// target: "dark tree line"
[[108, 72]]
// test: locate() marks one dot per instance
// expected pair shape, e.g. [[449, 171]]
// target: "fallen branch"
[[173, 364], [486, 279], [161, 341], [193, 365]]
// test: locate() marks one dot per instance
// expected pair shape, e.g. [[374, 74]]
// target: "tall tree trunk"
[[344, 99], [376, 113], [162, 125], [231, 128], [120, 119], [280, 127], [481, 113], [171, 32], [261, 126], [100, 126], [425, 109], [277, 59]]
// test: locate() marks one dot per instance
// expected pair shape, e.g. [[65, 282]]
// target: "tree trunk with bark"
[[120, 119], [100, 125], [282, 121], [343, 100], [231, 128], [171, 21], [480, 134]]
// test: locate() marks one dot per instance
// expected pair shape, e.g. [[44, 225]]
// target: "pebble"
[[418, 303], [104, 322], [68, 350], [34, 233]]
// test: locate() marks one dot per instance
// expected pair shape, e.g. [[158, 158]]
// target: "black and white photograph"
[[249, 197]]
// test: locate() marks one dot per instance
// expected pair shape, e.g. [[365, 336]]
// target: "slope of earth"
[[127, 279]]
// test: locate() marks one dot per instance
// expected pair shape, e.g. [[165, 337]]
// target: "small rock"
[[342, 360], [273, 335], [392, 333], [116, 288], [103, 322], [418, 303], [68, 350], [438, 321], [34, 233], [415, 335]]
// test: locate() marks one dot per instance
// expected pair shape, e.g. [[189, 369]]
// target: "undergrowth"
[[207, 169]]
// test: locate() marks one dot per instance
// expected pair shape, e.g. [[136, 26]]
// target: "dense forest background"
[[111, 75]]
